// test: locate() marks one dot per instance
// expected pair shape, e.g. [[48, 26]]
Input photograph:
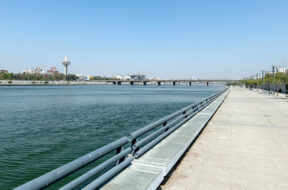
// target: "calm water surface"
[[44, 127]]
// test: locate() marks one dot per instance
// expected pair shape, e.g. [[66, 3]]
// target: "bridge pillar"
[[190, 83], [131, 83], [118, 82], [158, 83], [174, 83], [144, 83]]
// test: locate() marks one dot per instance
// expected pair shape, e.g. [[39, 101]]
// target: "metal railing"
[[141, 140], [57, 174], [165, 126]]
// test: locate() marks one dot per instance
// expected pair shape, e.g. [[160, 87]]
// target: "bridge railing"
[[141, 141]]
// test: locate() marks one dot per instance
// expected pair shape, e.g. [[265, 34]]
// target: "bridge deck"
[[244, 146]]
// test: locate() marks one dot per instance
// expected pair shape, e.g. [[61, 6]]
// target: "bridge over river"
[[171, 81]]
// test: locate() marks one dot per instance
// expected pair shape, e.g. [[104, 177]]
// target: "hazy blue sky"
[[175, 39]]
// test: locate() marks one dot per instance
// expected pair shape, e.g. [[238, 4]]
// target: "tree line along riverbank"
[[39, 77], [280, 80]]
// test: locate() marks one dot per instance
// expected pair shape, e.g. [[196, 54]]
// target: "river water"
[[44, 127]]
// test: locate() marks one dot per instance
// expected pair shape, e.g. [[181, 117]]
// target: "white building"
[[38, 70], [282, 70], [84, 76], [30, 71], [120, 77], [155, 78]]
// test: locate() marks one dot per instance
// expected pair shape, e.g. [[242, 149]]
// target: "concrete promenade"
[[244, 146]]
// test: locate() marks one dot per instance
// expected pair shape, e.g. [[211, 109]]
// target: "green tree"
[[72, 77]]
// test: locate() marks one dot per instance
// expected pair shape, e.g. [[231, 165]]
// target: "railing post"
[[118, 150], [164, 124], [132, 146], [184, 112]]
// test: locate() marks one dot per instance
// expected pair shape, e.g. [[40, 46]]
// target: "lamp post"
[[263, 72], [257, 77], [274, 86]]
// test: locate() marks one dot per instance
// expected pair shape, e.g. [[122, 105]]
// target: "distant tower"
[[66, 62]]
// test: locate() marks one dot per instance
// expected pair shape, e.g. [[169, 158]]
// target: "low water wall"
[[44, 83]]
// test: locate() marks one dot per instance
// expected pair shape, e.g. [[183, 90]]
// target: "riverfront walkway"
[[244, 146]]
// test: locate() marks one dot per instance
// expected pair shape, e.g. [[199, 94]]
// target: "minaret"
[[66, 62]]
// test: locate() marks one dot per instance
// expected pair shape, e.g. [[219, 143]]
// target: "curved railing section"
[[141, 140], [165, 126]]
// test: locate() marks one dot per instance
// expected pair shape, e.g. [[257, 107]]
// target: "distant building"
[[138, 77], [38, 70], [29, 71], [126, 77], [3, 71], [118, 77], [155, 78], [84, 76], [53, 71], [130, 77], [282, 70]]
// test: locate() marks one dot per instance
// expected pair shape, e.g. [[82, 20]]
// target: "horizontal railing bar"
[[164, 135], [78, 181], [149, 137], [151, 126], [158, 132], [102, 179], [61, 172], [161, 130]]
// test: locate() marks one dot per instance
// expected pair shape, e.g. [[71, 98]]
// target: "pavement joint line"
[[149, 163], [204, 113]]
